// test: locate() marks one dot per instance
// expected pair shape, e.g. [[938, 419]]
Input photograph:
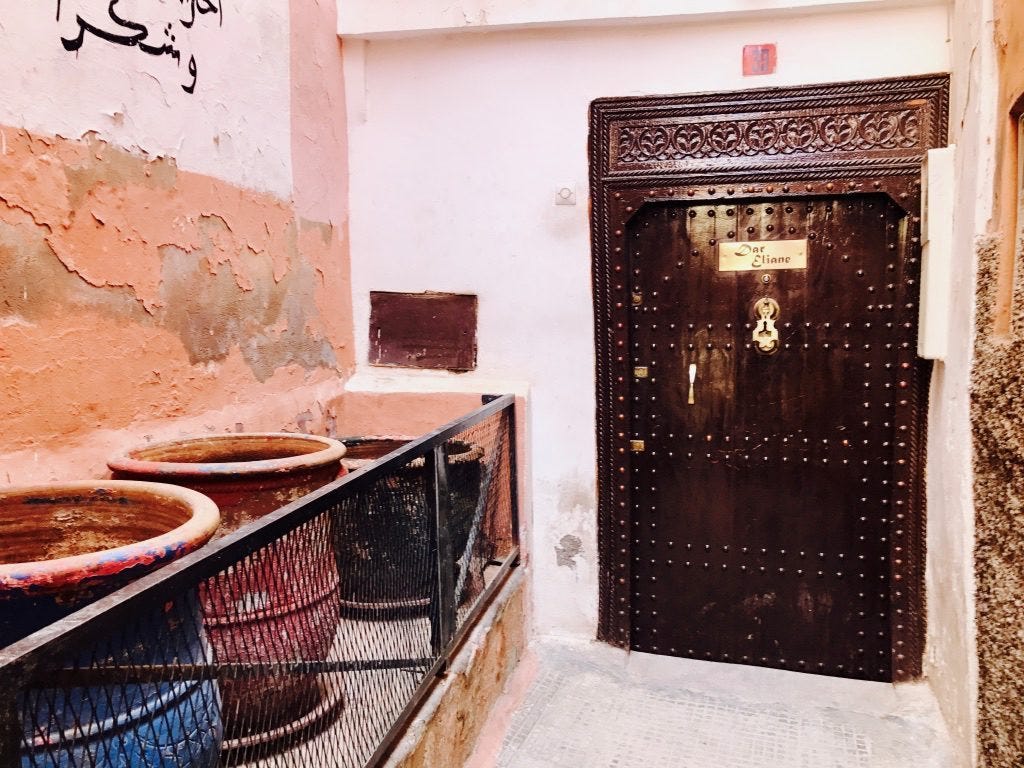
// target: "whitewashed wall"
[[458, 144], [951, 661], [462, 143], [235, 125]]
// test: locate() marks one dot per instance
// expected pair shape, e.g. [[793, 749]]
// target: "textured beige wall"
[[997, 420], [997, 415], [997, 424], [445, 733]]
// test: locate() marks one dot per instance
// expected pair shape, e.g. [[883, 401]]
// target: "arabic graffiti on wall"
[[157, 30]]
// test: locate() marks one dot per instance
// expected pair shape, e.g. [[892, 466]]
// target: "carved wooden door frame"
[[822, 140]]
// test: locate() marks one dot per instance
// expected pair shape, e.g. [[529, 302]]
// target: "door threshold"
[[587, 703]]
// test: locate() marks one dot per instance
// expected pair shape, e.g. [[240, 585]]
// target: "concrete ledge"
[[445, 731]]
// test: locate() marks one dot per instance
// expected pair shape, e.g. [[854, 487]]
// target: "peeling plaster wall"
[[179, 266], [458, 144], [997, 414], [235, 125]]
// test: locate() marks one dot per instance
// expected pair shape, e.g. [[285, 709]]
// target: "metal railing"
[[308, 638]]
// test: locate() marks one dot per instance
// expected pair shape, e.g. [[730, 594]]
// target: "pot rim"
[[474, 451], [331, 450], [45, 576]]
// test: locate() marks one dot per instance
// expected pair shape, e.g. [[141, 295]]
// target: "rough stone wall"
[[142, 300], [997, 415]]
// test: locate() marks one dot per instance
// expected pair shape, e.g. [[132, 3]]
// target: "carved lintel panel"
[[643, 144], [883, 128]]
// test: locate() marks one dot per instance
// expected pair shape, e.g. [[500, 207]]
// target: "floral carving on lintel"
[[800, 134]]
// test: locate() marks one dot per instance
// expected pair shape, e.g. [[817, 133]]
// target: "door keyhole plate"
[[766, 335]]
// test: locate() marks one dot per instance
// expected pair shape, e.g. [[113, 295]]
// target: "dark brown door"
[[761, 504]]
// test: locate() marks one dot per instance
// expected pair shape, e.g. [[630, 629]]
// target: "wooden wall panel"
[[423, 330]]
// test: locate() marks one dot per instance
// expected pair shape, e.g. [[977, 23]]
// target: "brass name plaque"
[[762, 254]]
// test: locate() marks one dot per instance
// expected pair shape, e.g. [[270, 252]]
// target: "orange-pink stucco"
[[319, 123], [135, 292]]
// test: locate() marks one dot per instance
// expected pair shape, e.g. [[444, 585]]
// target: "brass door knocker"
[[766, 335]]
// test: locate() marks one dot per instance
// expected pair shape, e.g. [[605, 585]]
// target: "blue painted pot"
[[70, 545]]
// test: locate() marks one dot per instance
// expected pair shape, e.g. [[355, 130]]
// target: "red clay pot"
[[247, 474], [282, 602]]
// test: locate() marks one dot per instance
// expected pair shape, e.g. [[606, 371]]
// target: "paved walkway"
[[588, 705]]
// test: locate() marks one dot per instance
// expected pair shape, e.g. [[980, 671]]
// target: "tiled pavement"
[[586, 705]]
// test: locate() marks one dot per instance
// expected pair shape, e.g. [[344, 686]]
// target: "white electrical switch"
[[565, 194]]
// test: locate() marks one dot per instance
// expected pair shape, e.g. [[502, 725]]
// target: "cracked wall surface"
[[142, 298]]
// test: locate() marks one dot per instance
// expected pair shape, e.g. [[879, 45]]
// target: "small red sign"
[[759, 59]]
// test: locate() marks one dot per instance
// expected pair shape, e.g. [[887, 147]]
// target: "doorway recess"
[[761, 408]]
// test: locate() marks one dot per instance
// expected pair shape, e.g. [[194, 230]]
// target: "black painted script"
[[105, 20]]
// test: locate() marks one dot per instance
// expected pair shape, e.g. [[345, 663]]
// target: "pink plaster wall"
[[319, 123], [140, 300]]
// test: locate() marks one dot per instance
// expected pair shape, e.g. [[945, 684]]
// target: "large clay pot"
[[69, 544], [281, 604], [384, 547]]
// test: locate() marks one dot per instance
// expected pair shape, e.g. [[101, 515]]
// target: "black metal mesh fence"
[[305, 639]]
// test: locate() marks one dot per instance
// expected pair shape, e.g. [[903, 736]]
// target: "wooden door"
[[762, 493]]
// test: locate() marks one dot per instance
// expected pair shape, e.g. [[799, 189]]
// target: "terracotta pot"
[[384, 547], [282, 603], [247, 474], [69, 544]]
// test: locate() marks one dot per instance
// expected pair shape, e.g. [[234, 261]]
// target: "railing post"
[[513, 473], [442, 625]]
